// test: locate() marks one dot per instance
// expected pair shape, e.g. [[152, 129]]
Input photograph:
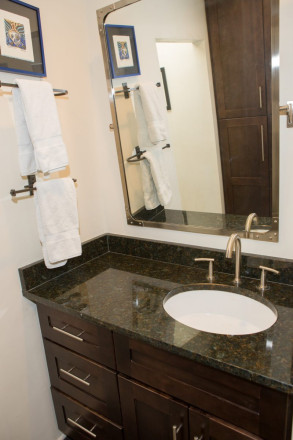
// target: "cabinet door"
[[236, 35], [204, 427], [149, 415], [245, 166]]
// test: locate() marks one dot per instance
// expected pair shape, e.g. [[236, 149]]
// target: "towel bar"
[[57, 92], [138, 153], [126, 90], [30, 187]]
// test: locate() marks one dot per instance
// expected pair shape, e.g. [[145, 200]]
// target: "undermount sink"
[[220, 311]]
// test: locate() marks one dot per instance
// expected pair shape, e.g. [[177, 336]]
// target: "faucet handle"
[[264, 270], [210, 276]]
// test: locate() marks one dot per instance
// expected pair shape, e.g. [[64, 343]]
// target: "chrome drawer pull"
[[262, 144], [60, 330], [175, 430], [68, 373], [73, 422]]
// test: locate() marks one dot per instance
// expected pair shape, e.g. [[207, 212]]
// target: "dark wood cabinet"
[[245, 159], [204, 427], [240, 48], [150, 415], [236, 33], [150, 393]]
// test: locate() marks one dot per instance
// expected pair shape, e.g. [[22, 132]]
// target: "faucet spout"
[[248, 223], [234, 243]]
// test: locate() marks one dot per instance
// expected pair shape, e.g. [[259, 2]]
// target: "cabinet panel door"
[[219, 430], [236, 34], [245, 166], [204, 427], [149, 415]]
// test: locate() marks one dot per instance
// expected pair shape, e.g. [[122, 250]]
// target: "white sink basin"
[[221, 312]]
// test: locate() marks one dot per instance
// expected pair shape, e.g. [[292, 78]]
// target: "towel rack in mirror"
[[29, 187], [127, 89], [57, 92], [138, 153]]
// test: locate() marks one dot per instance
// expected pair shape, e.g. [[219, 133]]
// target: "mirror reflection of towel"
[[156, 188], [154, 112]]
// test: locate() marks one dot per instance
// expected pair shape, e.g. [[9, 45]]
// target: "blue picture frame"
[[122, 50], [31, 14]]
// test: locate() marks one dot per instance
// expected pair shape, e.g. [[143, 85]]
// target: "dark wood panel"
[[99, 386], [236, 36], [150, 415], [96, 342], [201, 424], [219, 430], [68, 410], [220, 394], [245, 165]]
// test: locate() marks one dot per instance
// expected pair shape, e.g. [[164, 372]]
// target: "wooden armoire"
[[240, 46]]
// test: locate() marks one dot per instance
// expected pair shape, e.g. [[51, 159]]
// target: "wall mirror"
[[212, 66]]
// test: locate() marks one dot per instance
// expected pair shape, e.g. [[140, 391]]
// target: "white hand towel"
[[41, 147], [154, 112], [57, 220], [155, 182]]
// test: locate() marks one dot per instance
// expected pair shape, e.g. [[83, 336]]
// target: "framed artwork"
[[122, 50], [21, 43]]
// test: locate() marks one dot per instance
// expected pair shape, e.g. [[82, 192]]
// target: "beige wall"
[[74, 61], [26, 410]]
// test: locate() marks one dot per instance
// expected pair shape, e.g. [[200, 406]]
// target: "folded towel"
[[40, 143], [154, 112], [57, 220], [156, 188]]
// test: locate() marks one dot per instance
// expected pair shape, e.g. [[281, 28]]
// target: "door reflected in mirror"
[[210, 65]]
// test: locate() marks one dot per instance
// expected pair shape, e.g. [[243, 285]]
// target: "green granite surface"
[[125, 294]]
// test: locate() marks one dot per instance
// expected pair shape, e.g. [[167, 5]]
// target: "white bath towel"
[[40, 143], [155, 182], [154, 112], [57, 220]]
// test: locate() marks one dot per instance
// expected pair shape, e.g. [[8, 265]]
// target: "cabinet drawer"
[[230, 398], [77, 334], [80, 423], [91, 384]]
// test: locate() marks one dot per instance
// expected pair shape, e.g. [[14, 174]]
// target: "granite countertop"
[[125, 294]]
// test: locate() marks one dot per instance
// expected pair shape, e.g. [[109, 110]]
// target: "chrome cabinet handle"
[[198, 438], [260, 96], [61, 330], [68, 373], [262, 144], [176, 429], [74, 423]]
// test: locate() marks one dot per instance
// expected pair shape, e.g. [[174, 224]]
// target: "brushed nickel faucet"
[[234, 243], [248, 223]]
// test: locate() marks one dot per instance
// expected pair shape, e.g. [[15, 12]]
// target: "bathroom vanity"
[[122, 368]]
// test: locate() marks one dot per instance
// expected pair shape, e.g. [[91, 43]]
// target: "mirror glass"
[[194, 97]]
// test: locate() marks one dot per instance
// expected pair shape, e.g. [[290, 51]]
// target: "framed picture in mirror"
[[122, 50], [21, 40]]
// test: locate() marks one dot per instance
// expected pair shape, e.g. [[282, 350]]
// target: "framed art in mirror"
[[21, 39], [122, 50]]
